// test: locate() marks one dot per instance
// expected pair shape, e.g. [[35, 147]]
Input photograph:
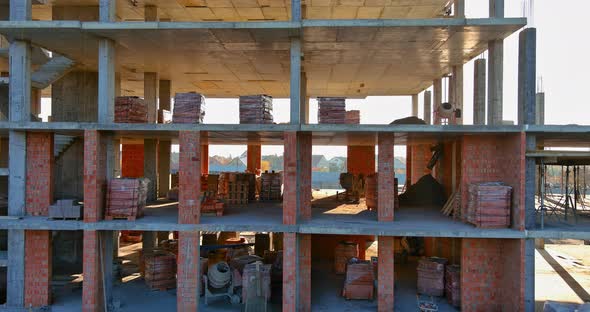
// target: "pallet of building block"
[[488, 204], [212, 207], [270, 186], [431, 276], [331, 110], [126, 198], [360, 281], [256, 279], [453, 284], [160, 270], [130, 109], [256, 109], [188, 108], [65, 209], [237, 193], [353, 117]]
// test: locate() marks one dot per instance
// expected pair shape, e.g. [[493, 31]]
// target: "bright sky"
[[562, 62]]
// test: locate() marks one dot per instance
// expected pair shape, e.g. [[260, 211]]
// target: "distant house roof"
[[318, 161]]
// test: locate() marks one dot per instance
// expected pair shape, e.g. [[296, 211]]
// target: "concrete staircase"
[[51, 71], [61, 143]]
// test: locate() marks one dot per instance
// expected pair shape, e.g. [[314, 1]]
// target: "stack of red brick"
[[331, 110], [488, 205], [126, 198], [256, 109], [188, 108], [160, 270], [130, 109], [371, 192], [353, 117], [343, 253], [431, 276], [453, 285], [360, 281]]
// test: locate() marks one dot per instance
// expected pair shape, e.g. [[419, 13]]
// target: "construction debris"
[[256, 281], [353, 117], [453, 205], [130, 109], [426, 191], [489, 204], [188, 108], [331, 110], [256, 109]]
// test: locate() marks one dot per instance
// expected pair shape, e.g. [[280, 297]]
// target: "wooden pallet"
[[120, 217]]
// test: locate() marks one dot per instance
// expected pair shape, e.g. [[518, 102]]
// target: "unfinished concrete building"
[[84, 54]]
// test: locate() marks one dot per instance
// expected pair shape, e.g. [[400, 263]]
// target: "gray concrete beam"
[[150, 167], [527, 76], [540, 108], [106, 81], [415, 105], [295, 80], [21, 10], [427, 107], [458, 91], [20, 81], [150, 95], [479, 92]]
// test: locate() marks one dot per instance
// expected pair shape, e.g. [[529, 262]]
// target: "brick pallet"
[[236, 188], [353, 117], [331, 110], [360, 281], [256, 109], [130, 109], [343, 253], [160, 270], [453, 285], [270, 189], [126, 198], [488, 205], [431, 276], [188, 108]]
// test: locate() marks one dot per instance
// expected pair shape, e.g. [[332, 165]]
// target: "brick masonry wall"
[[495, 158], [187, 298], [386, 280], [304, 272], [189, 177], [492, 275], [132, 158], [385, 183], [420, 156], [92, 291], [305, 151], [361, 160], [37, 268], [290, 272], [39, 187], [297, 183], [94, 176]]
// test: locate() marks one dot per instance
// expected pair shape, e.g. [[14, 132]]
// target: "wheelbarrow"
[[426, 303]]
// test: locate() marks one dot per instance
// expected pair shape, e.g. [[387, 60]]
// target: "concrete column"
[[106, 245], [415, 105], [20, 81], [458, 91], [527, 76], [385, 183], [151, 13], [295, 80], [164, 149], [117, 157], [148, 242], [189, 180], [296, 272], [530, 184], [540, 112], [254, 158], [106, 79], [108, 10], [529, 274], [304, 107], [479, 92], [297, 177], [188, 283], [459, 8], [385, 276], [150, 95], [150, 167], [205, 159], [496, 70], [164, 94], [437, 86], [20, 10], [427, 107], [296, 10]]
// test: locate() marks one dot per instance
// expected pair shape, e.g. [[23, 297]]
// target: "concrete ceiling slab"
[[236, 60]]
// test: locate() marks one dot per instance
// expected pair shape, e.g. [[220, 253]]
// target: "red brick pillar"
[[92, 291], [39, 196], [254, 158], [94, 176], [205, 159], [385, 197], [132, 160], [290, 298], [297, 177], [385, 279], [304, 272], [188, 275], [189, 177]]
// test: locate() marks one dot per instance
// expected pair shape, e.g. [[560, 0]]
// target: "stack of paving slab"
[[488, 205], [126, 198], [130, 109], [188, 108], [160, 270], [431, 276], [331, 110], [256, 109]]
